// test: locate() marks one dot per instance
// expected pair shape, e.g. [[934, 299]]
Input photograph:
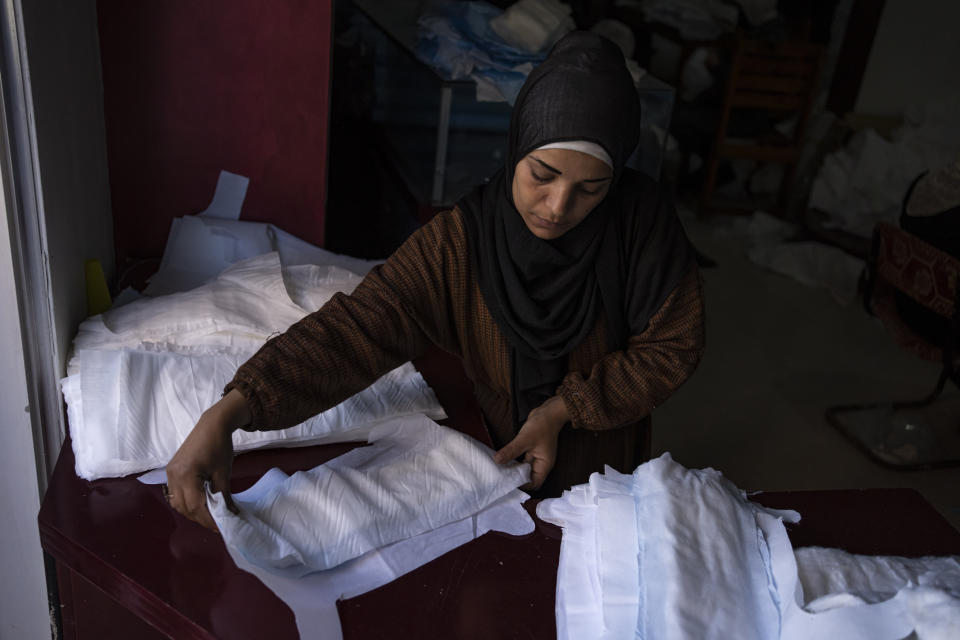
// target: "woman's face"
[[555, 189]]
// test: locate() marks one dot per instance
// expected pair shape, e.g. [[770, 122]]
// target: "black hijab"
[[547, 295]]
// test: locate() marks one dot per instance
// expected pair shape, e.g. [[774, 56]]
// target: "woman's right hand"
[[206, 456]]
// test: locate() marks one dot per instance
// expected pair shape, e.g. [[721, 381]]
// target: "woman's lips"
[[543, 223]]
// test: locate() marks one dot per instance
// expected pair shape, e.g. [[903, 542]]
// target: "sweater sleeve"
[[624, 386], [339, 350]]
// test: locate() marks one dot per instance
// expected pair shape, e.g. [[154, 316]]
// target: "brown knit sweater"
[[426, 292]]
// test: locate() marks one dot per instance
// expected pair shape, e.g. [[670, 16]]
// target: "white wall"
[[63, 51], [73, 218], [23, 590], [915, 56]]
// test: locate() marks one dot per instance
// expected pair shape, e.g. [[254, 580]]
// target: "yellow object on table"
[[98, 295]]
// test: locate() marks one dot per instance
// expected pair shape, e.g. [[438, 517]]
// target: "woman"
[[565, 284]]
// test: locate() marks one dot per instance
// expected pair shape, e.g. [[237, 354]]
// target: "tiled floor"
[[778, 353]]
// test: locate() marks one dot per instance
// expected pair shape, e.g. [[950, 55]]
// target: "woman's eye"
[[589, 192], [539, 178]]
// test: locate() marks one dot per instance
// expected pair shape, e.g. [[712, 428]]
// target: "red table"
[[129, 567]]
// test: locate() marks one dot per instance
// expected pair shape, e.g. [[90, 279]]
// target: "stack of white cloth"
[[142, 374], [369, 516], [668, 552]]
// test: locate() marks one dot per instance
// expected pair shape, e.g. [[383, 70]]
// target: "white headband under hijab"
[[589, 148]]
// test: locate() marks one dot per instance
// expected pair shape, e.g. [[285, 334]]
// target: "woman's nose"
[[558, 200]]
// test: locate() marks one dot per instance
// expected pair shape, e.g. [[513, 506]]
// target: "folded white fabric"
[[669, 552], [134, 407], [247, 303], [664, 553], [416, 476], [244, 305], [142, 374], [313, 597]]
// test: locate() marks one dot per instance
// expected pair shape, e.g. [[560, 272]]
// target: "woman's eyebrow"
[[560, 173], [546, 166]]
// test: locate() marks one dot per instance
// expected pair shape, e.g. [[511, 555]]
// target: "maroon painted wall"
[[191, 88]]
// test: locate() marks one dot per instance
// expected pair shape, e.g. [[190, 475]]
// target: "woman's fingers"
[[187, 494], [537, 440], [189, 498], [539, 454], [512, 450], [539, 468], [231, 505], [205, 455]]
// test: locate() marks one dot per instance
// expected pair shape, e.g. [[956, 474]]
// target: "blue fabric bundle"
[[456, 39]]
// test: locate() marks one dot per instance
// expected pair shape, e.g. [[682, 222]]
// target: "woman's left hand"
[[537, 440]]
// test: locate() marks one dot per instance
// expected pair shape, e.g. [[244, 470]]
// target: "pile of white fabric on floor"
[[669, 552], [142, 374], [865, 182]]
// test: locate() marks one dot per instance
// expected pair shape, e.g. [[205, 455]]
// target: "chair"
[[915, 434], [772, 81]]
